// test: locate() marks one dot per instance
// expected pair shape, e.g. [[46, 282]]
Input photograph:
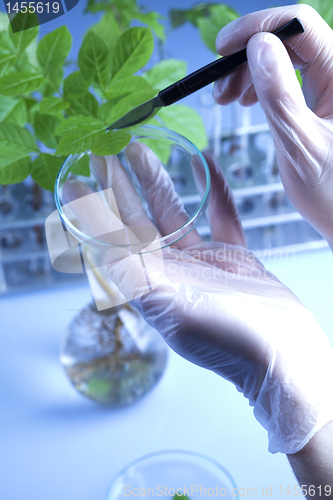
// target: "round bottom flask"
[[113, 356]]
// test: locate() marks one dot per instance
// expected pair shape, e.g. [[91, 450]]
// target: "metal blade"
[[137, 115]]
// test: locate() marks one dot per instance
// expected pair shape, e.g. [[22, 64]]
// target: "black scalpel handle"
[[215, 70]]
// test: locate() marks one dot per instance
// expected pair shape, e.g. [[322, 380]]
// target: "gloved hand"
[[214, 302], [301, 125]]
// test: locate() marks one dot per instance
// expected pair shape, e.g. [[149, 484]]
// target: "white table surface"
[[57, 445]]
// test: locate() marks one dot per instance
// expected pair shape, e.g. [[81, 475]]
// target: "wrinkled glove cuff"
[[296, 398]]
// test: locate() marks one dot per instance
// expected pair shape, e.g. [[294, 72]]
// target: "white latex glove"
[[216, 305], [301, 125]]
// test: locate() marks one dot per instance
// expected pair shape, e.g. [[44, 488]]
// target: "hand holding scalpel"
[[197, 80]]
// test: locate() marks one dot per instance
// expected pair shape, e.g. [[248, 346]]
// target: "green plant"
[[323, 7], [209, 18], [45, 116]]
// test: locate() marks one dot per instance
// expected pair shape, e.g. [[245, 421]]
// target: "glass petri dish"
[[171, 472], [180, 154]]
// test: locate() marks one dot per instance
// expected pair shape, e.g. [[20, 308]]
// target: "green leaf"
[[165, 73], [299, 77], [76, 85], [110, 143], [77, 141], [177, 17], [23, 30], [8, 53], [111, 111], [98, 388], [132, 52], [106, 108], [13, 111], [74, 122], [181, 16], [95, 6], [45, 168], [161, 149], [53, 82], [128, 85], [81, 166], [14, 163], [30, 101], [151, 19], [27, 59], [7, 60], [45, 126], [220, 15], [53, 49], [20, 82], [107, 29], [95, 59], [33, 107], [86, 105], [4, 21], [80, 138], [186, 121], [19, 136], [52, 106], [126, 10], [31, 52], [6, 42], [324, 8]]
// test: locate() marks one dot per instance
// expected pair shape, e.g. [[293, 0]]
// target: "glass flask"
[[113, 356]]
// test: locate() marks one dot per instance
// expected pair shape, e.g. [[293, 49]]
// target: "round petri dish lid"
[[177, 155], [171, 472]]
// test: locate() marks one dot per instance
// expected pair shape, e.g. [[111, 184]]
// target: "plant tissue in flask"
[[113, 356]]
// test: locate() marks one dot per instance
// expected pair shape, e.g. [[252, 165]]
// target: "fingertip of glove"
[[264, 52], [134, 151], [99, 169], [142, 159], [225, 35], [73, 189], [213, 165], [220, 91]]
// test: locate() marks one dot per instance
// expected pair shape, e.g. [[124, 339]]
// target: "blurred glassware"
[[173, 473], [113, 356], [8, 204]]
